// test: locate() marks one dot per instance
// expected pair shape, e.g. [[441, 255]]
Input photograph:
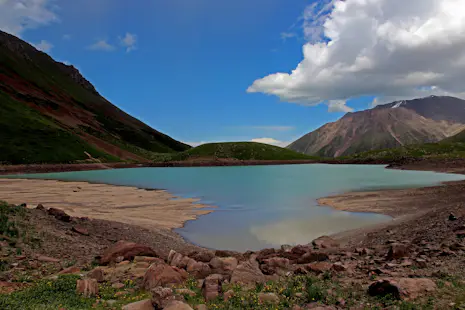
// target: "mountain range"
[[392, 125], [50, 113]]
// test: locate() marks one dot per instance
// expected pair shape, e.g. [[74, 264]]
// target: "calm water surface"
[[264, 206]]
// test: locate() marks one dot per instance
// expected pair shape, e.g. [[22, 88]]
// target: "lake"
[[264, 206]]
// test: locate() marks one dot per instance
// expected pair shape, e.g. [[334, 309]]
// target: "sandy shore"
[[129, 205]]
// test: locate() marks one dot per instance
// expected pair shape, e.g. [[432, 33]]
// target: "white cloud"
[[271, 141], [43, 46], [128, 41], [19, 15], [383, 48], [338, 106], [102, 45]]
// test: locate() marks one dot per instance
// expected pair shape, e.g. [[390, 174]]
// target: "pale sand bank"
[[130, 205]]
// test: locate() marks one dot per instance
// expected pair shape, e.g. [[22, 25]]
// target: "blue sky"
[[184, 66]]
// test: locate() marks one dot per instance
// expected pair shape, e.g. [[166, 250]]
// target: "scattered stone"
[[128, 250], [162, 275], [161, 296], [268, 298], [185, 291], [117, 285], [59, 214], [80, 230], [145, 304], [319, 267], [212, 287], [340, 267], [87, 287], [177, 305], [325, 242], [402, 288], [311, 257], [397, 251], [97, 274], [228, 295], [47, 259], [70, 270], [248, 272]]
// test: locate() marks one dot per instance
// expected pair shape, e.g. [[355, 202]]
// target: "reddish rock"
[[223, 265], [47, 259], [177, 305], [268, 298], [248, 272], [265, 254], [198, 269], [203, 256], [185, 291], [59, 214], [325, 242], [163, 275], [127, 250], [397, 251], [139, 305], [70, 270], [313, 256], [97, 274], [300, 249], [340, 267], [402, 288], [161, 296], [87, 287], [275, 265], [212, 287], [228, 295], [80, 230], [40, 207], [319, 267], [222, 253]]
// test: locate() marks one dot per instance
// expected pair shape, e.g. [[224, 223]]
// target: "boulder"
[[70, 270], [265, 254], [325, 242], [402, 288], [145, 304], [163, 275], [228, 295], [177, 305], [201, 307], [177, 259], [397, 250], [248, 272], [87, 287], [80, 230], [198, 269], [203, 256], [268, 298], [314, 256], [319, 267], [97, 274], [47, 259], [59, 214], [161, 296], [212, 287], [185, 291], [223, 265], [127, 250], [223, 253], [340, 267], [275, 265]]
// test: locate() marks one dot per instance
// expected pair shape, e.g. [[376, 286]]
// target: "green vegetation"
[[238, 151], [48, 294]]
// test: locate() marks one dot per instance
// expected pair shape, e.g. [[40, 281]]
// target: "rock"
[[203, 256], [162, 275], [117, 285], [162, 296], [145, 304], [128, 250], [268, 298], [177, 259], [142, 265], [452, 217], [40, 207], [119, 259], [212, 287], [265, 253], [59, 214], [47, 259], [185, 291], [222, 253], [313, 256], [97, 274], [340, 267], [301, 249], [80, 230], [397, 251], [325, 242], [87, 287], [274, 265], [363, 251], [402, 288], [148, 259], [70, 270], [227, 295], [125, 262], [201, 307], [248, 272], [177, 305], [319, 267], [421, 263], [198, 269], [223, 265]]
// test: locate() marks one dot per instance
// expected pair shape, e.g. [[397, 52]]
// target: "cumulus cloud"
[[102, 45], [271, 141], [19, 15], [43, 46], [128, 41], [383, 48]]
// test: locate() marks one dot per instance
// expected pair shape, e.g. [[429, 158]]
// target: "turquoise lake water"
[[264, 206]]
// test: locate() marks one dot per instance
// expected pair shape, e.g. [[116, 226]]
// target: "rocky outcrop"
[[125, 250]]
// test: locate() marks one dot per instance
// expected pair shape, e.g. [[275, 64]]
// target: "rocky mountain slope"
[[396, 124], [50, 113]]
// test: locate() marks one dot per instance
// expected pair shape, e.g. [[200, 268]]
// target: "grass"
[[237, 150]]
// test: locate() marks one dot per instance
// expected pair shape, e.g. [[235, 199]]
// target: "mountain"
[[50, 113], [400, 123], [458, 138]]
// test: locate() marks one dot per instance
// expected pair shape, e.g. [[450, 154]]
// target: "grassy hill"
[[238, 151], [49, 113]]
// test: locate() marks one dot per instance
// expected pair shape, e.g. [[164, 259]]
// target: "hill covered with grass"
[[237, 151]]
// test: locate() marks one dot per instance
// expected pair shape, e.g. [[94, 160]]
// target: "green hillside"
[[238, 151]]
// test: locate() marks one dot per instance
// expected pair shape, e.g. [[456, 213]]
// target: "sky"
[[262, 70]]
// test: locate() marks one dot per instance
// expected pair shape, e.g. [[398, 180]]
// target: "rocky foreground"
[[122, 274]]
